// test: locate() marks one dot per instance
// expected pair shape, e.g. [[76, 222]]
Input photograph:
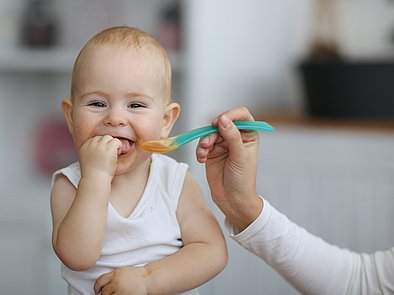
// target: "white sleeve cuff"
[[257, 225]]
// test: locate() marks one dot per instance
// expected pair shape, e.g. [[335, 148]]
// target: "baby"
[[124, 220]]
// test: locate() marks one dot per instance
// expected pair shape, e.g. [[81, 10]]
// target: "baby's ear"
[[171, 114], [67, 108]]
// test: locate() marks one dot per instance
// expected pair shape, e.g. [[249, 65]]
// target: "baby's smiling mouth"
[[126, 145]]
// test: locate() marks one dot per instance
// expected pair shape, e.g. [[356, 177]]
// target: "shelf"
[[54, 60], [362, 125], [21, 60]]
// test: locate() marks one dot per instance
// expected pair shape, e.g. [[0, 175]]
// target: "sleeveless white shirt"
[[151, 232]]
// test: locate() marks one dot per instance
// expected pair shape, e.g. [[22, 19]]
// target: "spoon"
[[172, 143]]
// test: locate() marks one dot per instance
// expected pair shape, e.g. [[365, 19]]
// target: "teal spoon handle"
[[241, 125]]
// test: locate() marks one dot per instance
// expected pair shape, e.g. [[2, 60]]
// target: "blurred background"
[[320, 71]]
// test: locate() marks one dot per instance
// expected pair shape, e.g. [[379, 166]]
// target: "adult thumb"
[[232, 135]]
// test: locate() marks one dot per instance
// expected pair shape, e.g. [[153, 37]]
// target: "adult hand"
[[231, 166]]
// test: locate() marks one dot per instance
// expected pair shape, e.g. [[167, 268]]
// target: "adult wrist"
[[242, 216]]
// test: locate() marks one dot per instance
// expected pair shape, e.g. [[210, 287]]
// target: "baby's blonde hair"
[[127, 37]]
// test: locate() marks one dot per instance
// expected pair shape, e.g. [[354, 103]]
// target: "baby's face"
[[119, 92]]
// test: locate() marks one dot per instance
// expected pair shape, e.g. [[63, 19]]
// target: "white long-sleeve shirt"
[[310, 264]]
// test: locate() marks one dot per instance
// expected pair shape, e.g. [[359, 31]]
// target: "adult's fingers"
[[232, 135], [236, 114], [205, 146]]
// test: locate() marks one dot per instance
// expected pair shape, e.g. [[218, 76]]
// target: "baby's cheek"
[[163, 133], [79, 138], [150, 133]]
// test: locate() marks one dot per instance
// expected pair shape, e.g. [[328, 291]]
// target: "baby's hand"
[[98, 156], [124, 280]]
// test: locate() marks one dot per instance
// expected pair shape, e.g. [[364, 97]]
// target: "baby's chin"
[[129, 162]]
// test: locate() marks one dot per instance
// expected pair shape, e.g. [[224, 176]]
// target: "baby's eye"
[[97, 104], [134, 105]]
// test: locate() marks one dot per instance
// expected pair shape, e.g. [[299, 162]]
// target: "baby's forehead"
[[95, 52], [100, 58], [150, 55]]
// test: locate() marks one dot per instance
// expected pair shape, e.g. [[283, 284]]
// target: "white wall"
[[366, 28], [237, 52], [246, 52]]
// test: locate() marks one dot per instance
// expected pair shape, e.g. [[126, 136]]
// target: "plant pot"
[[349, 90]]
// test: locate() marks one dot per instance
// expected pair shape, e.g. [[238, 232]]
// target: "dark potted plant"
[[336, 87]]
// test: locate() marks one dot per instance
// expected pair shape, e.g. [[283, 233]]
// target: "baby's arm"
[[203, 256], [79, 215]]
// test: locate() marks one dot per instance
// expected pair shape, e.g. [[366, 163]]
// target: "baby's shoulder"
[[167, 166], [72, 173]]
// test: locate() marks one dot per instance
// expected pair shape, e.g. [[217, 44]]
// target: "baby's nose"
[[115, 117]]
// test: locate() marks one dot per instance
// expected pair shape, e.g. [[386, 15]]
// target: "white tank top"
[[151, 232]]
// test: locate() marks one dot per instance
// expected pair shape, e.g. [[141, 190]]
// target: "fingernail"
[[200, 150], [205, 139], [225, 121]]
